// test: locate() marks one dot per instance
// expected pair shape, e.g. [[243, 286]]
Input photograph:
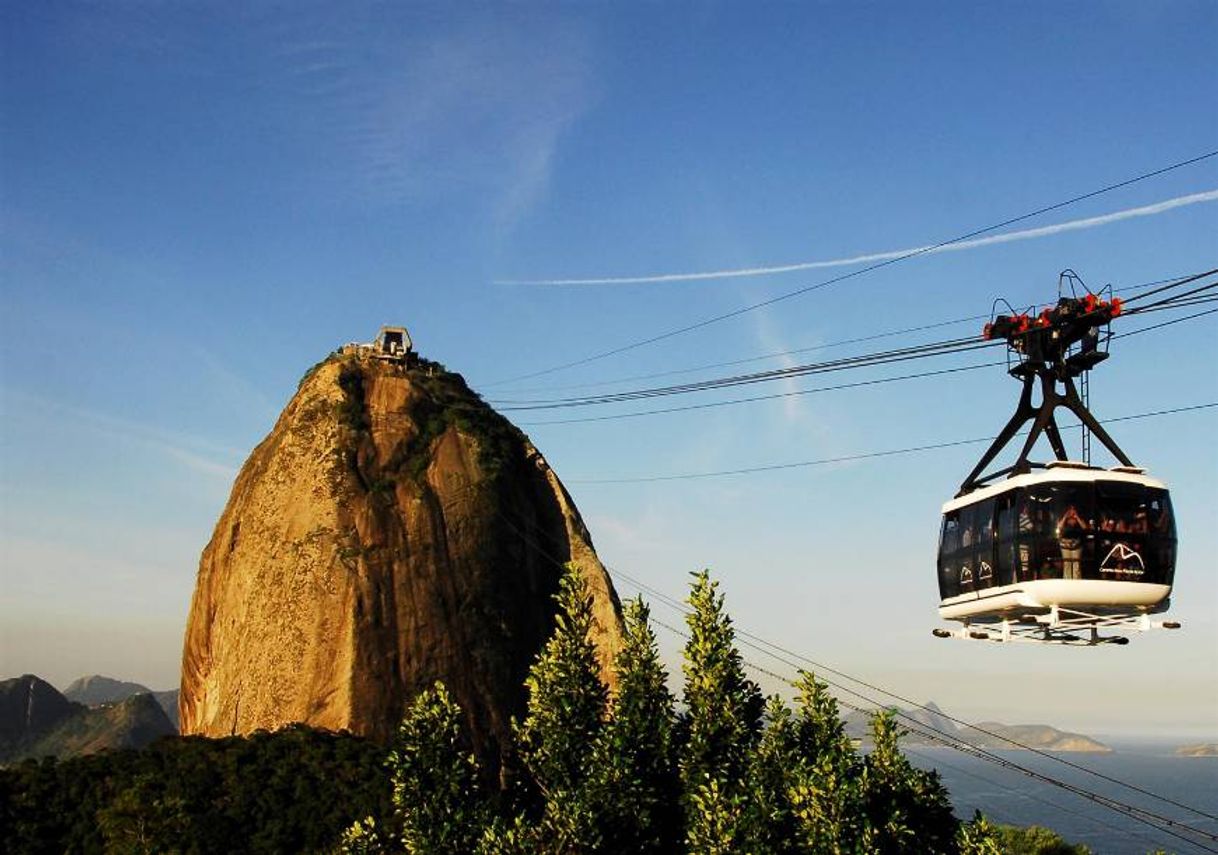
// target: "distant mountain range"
[[986, 734], [36, 720], [95, 690]]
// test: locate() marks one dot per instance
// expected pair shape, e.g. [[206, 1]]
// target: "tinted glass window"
[[1006, 552], [1135, 533], [983, 544], [965, 566], [949, 548]]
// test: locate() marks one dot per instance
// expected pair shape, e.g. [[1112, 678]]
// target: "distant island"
[[1040, 736], [1204, 749], [930, 719]]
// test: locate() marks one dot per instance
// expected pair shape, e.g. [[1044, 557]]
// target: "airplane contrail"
[[1023, 234]]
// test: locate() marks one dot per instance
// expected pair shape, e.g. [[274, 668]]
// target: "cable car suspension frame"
[[1053, 347]]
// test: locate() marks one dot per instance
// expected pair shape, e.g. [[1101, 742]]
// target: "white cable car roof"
[[1056, 472]]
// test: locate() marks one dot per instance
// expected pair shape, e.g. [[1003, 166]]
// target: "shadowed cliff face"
[[392, 530]]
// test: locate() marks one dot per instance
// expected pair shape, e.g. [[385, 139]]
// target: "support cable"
[[826, 346], [858, 384], [754, 398], [922, 351], [938, 348], [849, 458], [861, 271]]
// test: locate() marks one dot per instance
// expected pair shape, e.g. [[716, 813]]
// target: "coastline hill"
[[391, 531], [95, 690], [37, 721], [932, 718]]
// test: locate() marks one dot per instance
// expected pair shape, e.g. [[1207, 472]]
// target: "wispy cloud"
[[1007, 237], [203, 456], [433, 111], [793, 406]]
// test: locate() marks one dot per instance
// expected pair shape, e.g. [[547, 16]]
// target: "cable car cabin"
[[1074, 537], [1055, 554]]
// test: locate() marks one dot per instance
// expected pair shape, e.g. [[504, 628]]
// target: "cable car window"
[[1007, 548], [949, 549], [1163, 535], [1074, 529], [1038, 533], [966, 570], [1135, 537], [983, 543], [1025, 542]]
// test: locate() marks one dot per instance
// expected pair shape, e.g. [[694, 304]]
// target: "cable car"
[[1060, 552]]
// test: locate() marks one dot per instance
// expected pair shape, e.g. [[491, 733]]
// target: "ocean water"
[[1011, 797]]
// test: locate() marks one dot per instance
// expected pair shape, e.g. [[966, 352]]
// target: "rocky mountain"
[[96, 690], [168, 700], [37, 721], [1204, 749], [932, 719], [29, 709], [391, 531]]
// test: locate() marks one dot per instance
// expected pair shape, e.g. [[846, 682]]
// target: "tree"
[[905, 810], [637, 747], [436, 791], [145, 818], [720, 728], [1035, 840], [825, 791], [565, 717], [776, 766], [977, 837]]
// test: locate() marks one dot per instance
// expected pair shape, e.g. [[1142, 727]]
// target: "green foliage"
[[638, 750], [362, 838], [1035, 840], [977, 837], [446, 401], [824, 781], [566, 713], [776, 758], [905, 810], [720, 819], [438, 801], [290, 791], [720, 728]]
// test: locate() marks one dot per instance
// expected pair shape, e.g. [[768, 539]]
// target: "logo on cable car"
[[966, 575], [985, 572], [1121, 560]]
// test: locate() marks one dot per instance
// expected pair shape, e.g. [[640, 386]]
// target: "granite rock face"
[[391, 531]]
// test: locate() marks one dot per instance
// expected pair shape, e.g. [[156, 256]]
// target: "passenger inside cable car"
[[1105, 530]]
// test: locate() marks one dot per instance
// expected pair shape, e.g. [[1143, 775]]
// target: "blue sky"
[[199, 201]]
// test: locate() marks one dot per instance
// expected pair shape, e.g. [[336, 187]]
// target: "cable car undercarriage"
[[1069, 553]]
